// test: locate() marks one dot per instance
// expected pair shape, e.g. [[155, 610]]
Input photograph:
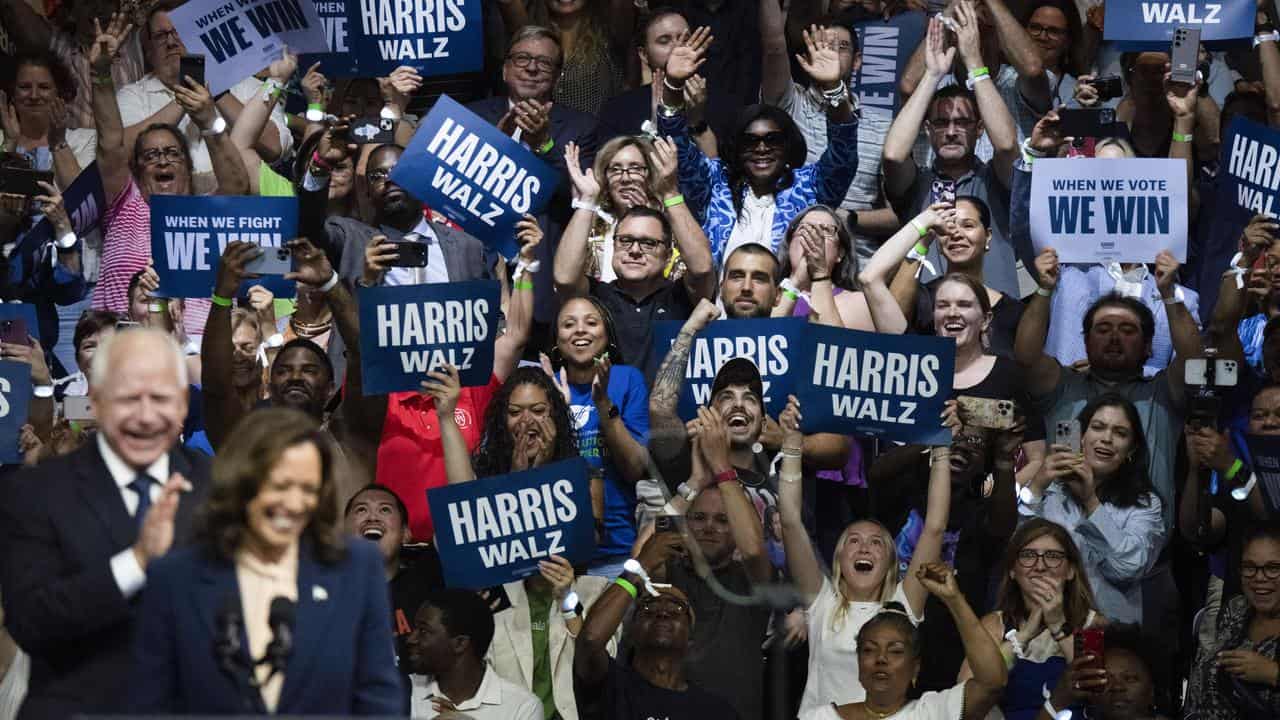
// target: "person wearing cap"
[[722, 519], [655, 683]]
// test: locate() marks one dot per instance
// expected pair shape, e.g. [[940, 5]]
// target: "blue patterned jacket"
[[705, 182]]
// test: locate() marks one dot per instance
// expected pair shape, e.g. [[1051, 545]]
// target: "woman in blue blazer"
[[270, 530]]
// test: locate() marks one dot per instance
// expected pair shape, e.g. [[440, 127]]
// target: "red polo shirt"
[[411, 456]]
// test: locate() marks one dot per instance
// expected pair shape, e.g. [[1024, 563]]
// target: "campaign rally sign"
[[886, 48], [339, 61], [189, 233], [495, 530], [479, 178], [1153, 21], [1264, 453], [1249, 170], [1100, 211], [25, 312], [407, 331], [888, 386], [15, 394], [85, 202], [240, 37], [443, 37], [771, 344]]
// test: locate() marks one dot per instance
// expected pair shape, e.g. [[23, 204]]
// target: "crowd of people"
[[199, 472]]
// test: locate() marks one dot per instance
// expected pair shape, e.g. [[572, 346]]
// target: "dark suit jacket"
[[62, 521], [566, 125], [343, 660]]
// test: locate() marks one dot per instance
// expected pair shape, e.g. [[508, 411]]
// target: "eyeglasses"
[[824, 231], [1036, 29], [165, 34], [377, 176], [616, 171], [772, 139], [1270, 571], [664, 606], [155, 155], [843, 46], [524, 61], [648, 246], [1053, 559]]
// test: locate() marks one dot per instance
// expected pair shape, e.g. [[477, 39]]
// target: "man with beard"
[[724, 655]]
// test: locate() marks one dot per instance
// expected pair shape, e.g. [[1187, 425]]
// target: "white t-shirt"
[[833, 652], [945, 705]]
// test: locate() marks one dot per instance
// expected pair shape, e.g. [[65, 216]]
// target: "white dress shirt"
[[495, 699], [434, 272], [129, 575]]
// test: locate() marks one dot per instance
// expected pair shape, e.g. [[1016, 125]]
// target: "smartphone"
[[1226, 373], [667, 523], [21, 181], [1067, 433], [1090, 642], [192, 66], [14, 331], [1086, 122], [412, 254], [1109, 87], [77, 408], [1184, 55], [271, 261], [373, 130], [986, 412]]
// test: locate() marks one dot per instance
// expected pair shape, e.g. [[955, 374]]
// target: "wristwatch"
[[219, 126]]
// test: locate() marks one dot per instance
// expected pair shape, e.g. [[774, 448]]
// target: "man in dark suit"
[[532, 66], [78, 531]]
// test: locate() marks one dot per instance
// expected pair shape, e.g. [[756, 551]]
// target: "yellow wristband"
[[219, 300], [626, 585]]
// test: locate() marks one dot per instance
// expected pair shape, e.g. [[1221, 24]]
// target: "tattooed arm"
[[667, 438]]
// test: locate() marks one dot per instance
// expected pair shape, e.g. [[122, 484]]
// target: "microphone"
[[281, 619], [226, 643]]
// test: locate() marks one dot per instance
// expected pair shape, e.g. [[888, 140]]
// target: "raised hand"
[[335, 145], [940, 580], [155, 536], [231, 270], [688, 55], [558, 573], [443, 386], [789, 420], [969, 34], [310, 264], [713, 436], [586, 188], [529, 236], [702, 315], [1166, 273], [284, 68], [815, 252], [1086, 93], [820, 61], [938, 57], [50, 203], [314, 85], [57, 110], [600, 383], [106, 45], [9, 122], [1047, 268], [196, 102], [695, 99], [666, 164], [1046, 136], [534, 120], [1259, 235], [378, 256], [1181, 97]]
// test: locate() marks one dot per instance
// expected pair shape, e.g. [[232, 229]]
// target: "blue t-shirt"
[[628, 393]]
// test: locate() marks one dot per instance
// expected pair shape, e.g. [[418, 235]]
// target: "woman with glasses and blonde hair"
[[624, 176], [864, 572], [1043, 601]]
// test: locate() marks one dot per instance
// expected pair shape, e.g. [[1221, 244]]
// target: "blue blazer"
[[343, 660]]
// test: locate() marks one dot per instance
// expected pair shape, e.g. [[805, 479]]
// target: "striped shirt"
[[126, 248]]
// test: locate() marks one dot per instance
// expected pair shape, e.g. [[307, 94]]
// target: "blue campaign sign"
[[771, 344], [408, 330], [496, 529], [475, 175], [85, 202], [886, 48], [889, 386], [1151, 22], [1264, 454], [445, 37], [189, 233], [1250, 182], [339, 62], [15, 395], [24, 311]]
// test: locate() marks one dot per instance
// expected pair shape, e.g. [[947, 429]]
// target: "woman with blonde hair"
[[864, 572], [626, 177], [1043, 601]]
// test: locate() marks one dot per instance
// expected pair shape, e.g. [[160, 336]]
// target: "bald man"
[[78, 531]]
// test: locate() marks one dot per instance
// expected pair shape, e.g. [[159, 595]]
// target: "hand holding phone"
[[14, 331], [1184, 55], [191, 66], [1067, 434], [271, 261], [411, 254]]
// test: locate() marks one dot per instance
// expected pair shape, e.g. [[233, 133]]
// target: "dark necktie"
[[142, 486]]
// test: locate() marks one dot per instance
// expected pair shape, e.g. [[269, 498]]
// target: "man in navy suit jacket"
[[530, 71], [79, 531]]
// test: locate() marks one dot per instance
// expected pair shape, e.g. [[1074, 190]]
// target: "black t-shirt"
[[625, 695], [1005, 382], [1005, 315], [634, 320]]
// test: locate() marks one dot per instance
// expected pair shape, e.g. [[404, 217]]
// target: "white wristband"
[[527, 267], [42, 391], [389, 113], [1260, 38], [330, 283], [67, 241]]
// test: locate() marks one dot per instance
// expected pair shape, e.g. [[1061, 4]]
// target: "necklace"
[[310, 330], [877, 714]]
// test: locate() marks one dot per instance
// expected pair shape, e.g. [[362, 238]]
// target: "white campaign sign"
[[240, 37], [1098, 211]]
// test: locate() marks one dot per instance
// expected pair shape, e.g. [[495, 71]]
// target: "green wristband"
[[921, 249], [546, 148], [523, 285], [1234, 469], [1179, 137], [673, 201], [978, 72], [791, 294], [626, 585], [219, 300]]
